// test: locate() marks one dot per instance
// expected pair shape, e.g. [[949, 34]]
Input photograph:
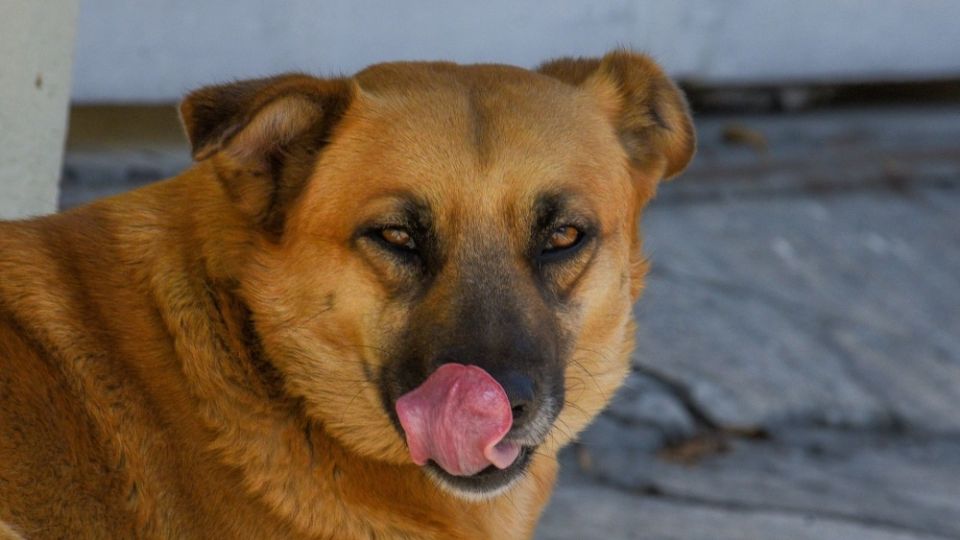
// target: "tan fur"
[[7, 533], [187, 360]]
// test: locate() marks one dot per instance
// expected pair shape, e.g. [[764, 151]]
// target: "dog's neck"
[[251, 425]]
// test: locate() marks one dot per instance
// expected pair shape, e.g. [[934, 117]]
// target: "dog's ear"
[[648, 111], [263, 136]]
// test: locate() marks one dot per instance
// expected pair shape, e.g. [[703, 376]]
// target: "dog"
[[374, 307]]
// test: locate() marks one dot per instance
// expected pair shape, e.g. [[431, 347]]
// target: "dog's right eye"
[[396, 240], [398, 237]]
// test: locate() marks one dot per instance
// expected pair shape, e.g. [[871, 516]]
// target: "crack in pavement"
[[817, 327], [679, 391]]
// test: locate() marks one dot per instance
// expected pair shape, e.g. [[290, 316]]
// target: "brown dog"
[[375, 307]]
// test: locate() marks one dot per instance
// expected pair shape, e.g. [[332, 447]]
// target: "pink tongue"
[[458, 418]]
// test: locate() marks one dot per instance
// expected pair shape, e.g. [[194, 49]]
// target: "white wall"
[[36, 42], [155, 50]]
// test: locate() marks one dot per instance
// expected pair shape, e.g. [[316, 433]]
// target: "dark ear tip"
[[211, 114], [198, 118]]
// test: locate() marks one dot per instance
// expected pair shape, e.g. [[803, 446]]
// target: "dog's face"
[[428, 215]]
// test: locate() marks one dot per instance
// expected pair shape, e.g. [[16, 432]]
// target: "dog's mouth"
[[489, 481], [458, 424]]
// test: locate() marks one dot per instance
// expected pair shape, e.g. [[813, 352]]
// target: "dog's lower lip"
[[488, 480]]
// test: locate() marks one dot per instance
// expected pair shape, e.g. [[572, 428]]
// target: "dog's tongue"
[[458, 418]]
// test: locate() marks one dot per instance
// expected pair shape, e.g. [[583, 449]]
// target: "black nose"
[[520, 391]]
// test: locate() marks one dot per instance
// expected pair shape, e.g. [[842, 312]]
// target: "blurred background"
[[797, 374]]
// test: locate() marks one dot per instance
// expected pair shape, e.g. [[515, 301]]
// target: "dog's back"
[[55, 467], [70, 408]]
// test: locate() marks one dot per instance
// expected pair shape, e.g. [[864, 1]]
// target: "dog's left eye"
[[563, 238], [561, 243]]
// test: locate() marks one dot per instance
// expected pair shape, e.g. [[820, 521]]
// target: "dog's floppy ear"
[[648, 111], [263, 136]]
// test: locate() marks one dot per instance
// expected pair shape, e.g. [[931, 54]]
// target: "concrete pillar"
[[36, 49]]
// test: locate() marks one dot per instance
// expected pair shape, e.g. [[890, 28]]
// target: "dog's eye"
[[562, 238], [398, 237]]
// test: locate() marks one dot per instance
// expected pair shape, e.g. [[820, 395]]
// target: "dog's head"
[[444, 257]]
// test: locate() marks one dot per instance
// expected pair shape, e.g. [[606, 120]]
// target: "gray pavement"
[[797, 374]]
